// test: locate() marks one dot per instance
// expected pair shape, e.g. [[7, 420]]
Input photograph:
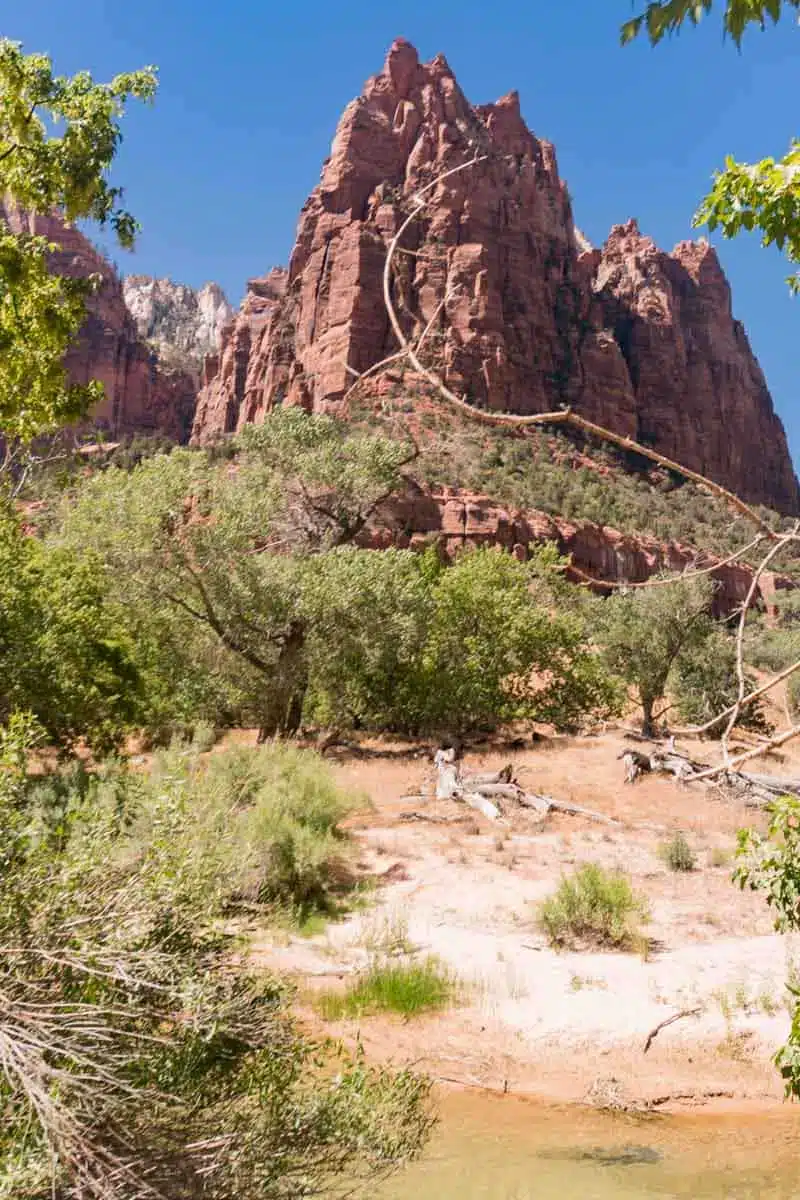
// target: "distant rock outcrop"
[[184, 325], [142, 395], [453, 519], [636, 339]]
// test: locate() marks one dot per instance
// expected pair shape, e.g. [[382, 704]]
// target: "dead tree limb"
[[748, 600], [653, 1034]]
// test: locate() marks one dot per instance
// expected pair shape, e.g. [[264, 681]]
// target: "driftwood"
[[678, 1016], [481, 791]]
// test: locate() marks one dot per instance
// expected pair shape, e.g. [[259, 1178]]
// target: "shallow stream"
[[510, 1149]]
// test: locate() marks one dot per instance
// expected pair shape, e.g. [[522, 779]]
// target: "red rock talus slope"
[[636, 339], [140, 397]]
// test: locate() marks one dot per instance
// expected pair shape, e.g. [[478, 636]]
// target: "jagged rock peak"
[[523, 315], [183, 323]]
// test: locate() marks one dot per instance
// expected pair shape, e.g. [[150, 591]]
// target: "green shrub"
[[268, 818], [677, 854], [125, 1027], [407, 988], [593, 907]]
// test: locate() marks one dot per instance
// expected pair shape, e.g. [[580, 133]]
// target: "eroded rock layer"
[[522, 315]]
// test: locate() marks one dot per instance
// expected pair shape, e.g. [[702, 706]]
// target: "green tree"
[[205, 561], [646, 633], [704, 683], [764, 195], [63, 656], [58, 138], [497, 649]]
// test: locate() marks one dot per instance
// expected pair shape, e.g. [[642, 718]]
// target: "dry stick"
[[690, 573], [685, 1012], [562, 416], [760, 691], [748, 600], [772, 744]]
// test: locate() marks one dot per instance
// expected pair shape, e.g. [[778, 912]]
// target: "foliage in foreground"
[[770, 863], [593, 907], [134, 1062], [763, 195], [58, 138], [406, 988]]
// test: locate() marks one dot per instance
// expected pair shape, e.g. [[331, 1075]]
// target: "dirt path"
[[562, 1025]]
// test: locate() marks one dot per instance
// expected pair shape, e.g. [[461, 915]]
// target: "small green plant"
[[407, 988], [719, 857], [593, 907], [387, 935], [577, 983], [677, 854]]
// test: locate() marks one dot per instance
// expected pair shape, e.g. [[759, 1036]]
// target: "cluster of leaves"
[[764, 195], [58, 137], [770, 863], [664, 17], [134, 1063]]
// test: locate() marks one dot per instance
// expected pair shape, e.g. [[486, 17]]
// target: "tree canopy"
[[762, 196], [58, 138]]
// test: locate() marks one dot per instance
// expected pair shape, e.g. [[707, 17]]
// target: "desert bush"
[[407, 988], [593, 907], [677, 854], [133, 1060]]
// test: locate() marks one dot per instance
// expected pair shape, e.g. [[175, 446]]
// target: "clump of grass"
[[407, 988], [677, 854], [387, 935], [593, 907], [720, 857]]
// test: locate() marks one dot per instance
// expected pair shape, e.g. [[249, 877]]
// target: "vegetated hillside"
[[519, 315], [183, 324]]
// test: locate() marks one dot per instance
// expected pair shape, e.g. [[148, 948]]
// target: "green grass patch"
[[407, 988], [594, 907]]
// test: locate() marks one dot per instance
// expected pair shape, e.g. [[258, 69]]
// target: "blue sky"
[[251, 92]]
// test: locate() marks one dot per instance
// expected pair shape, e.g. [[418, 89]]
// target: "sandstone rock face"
[[453, 519], [184, 325], [524, 315], [141, 396]]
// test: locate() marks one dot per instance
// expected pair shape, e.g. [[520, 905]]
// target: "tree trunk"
[[648, 726], [288, 687]]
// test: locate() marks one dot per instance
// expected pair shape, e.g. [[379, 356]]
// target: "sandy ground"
[[560, 1025]]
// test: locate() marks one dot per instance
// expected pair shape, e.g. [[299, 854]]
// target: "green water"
[[508, 1149]]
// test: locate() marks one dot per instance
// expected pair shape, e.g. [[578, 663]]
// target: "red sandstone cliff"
[[636, 339], [453, 519], [140, 396]]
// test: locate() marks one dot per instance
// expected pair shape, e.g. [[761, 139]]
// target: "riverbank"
[[568, 1026]]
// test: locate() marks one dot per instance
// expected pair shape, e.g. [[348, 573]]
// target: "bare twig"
[[748, 600], [653, 1034]]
